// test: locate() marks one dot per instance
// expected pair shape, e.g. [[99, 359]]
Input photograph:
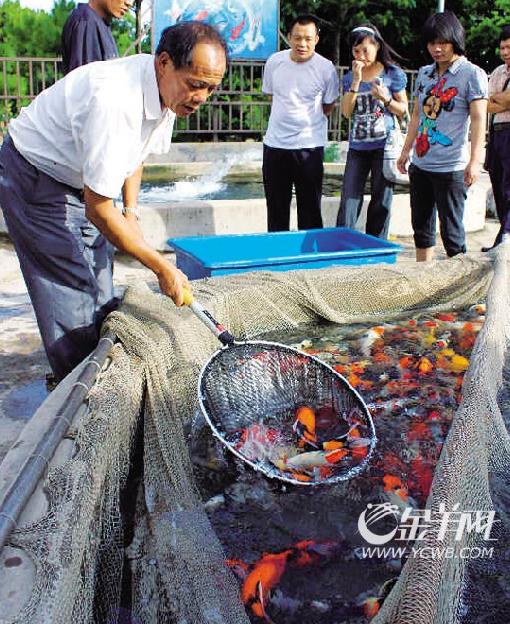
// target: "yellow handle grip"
[[187, 296]]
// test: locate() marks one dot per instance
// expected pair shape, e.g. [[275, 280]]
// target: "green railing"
[[238, 109]]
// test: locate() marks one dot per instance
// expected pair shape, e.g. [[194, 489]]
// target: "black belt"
[[499, 127]]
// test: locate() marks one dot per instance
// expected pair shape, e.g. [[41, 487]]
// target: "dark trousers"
[[498, 161], [359, 164], [444, 193], [65, 261], [283, 168]]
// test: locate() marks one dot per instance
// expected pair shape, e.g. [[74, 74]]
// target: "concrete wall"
[[172, 219], [161, 221], [206, 152]]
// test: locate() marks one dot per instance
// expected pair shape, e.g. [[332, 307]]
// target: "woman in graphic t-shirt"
[[373, 92]]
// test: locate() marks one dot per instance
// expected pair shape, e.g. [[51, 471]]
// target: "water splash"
[[202, 187]]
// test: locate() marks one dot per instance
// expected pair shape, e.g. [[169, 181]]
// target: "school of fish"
[[410, 374]]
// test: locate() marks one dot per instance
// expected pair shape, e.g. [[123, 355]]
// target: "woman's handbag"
[[392, 149]]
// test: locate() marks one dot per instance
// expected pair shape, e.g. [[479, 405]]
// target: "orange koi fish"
[[265, 575], [394, 485], [421, 474], [418, 431], [268, 570], [371, 606], [446, 316], [304, 426]]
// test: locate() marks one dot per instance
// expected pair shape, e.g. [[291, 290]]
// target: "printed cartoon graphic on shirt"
[[368, 119], [438, 99]]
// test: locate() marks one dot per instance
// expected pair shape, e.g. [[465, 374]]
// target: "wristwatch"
[[388, 102], [133, 210]]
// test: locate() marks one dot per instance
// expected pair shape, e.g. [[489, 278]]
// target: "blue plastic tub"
[[205, 256]]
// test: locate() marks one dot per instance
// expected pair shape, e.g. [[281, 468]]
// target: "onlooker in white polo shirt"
[[77, 146], [303, 86]]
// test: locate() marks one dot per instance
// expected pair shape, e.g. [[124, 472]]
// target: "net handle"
[[223, 335]]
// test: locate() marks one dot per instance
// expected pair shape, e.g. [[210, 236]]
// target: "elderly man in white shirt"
[[77, 146]]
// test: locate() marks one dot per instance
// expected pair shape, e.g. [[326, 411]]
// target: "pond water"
[[216, 189], [190, 189], [298, 551]]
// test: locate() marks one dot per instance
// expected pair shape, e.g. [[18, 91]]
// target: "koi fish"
[[304, 426], [315, 459], [268, 570], [371, 338], [447, 359], [371, 606], [354, 445], [265, 575], [257, 441]]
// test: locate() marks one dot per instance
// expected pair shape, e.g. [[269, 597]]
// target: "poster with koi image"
[[250, 27]]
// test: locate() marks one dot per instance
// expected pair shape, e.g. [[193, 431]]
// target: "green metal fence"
[[237, 110]]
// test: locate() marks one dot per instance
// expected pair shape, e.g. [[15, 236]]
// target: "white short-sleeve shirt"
[[96, 125], [299, 90]]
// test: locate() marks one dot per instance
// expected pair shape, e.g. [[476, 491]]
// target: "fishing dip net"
[[125, 536]]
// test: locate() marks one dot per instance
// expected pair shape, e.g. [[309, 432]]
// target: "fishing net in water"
[[93, 546], [261, 399]]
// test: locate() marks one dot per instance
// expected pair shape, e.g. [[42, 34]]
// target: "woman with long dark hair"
[[373, 93]]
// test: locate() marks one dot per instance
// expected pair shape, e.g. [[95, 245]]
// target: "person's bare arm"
[[131, 188], [125, 233], [501, 99], [395, 103], [328, 108], [478, 116], [349, 97], [399, 105], [412, 133], [494, 108]]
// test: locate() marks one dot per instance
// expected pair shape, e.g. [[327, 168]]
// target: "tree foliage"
[[399, 21], [27, 32], [37, 33], [34, 33]]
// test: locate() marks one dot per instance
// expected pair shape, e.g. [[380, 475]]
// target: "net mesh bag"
[[174, 570], [250, 393]]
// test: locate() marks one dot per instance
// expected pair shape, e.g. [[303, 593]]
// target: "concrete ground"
[[23, 364]]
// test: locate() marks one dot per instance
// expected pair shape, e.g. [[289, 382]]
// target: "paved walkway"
[[23, 364]]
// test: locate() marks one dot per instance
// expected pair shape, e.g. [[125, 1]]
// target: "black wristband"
[[352, 91], [388, 102]]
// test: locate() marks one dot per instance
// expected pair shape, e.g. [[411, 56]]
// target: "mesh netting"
[[251, 392], [175, 570]]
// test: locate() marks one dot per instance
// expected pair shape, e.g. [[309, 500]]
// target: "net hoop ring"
[[275, 473]]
